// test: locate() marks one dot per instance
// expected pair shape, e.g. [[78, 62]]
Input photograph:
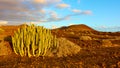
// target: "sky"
[[101, 15]]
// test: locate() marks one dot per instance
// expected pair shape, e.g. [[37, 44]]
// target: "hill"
[[80, 27]]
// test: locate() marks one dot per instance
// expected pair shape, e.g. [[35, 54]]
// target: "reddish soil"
[[92, 55]]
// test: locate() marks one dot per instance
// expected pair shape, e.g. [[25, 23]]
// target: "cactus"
[[1, 30], [33, 41]]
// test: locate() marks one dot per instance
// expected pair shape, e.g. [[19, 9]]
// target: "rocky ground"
[[98, 49]]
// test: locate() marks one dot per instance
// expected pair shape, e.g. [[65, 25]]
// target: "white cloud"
[[33, 10], [33, 22], [25, 10], [70, 24], [87, 12], [63, 5], [46, 2], [53, 26], [40, 1], [108, 28], [42, 11], [3, 22], [76, 11], [53, 14], [55, 1]]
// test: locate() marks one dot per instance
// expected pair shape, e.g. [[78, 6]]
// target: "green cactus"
[[1, 30], [33, 41]]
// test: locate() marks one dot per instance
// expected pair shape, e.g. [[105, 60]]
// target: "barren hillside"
[[98, 49]]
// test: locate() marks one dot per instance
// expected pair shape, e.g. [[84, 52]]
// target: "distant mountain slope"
[[108, 29], [80, 27]]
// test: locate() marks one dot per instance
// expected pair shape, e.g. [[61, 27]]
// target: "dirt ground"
[[99, 50]]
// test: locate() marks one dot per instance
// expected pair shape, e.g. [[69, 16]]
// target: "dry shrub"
[[95, 39], [85, 38], [71, 33], [106, 43], [66, 48]]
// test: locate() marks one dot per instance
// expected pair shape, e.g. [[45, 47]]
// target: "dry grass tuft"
[[85, 38], [106, 43]]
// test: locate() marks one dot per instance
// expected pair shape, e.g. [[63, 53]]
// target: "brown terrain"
[[98, 49]]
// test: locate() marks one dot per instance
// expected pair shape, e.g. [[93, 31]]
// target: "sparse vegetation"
[[94, 50], [106, 43], [85, 38]]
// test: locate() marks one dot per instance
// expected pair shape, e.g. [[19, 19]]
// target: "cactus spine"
[[33, 41]]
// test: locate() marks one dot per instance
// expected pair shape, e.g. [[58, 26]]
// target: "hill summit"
[[80, 27]]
